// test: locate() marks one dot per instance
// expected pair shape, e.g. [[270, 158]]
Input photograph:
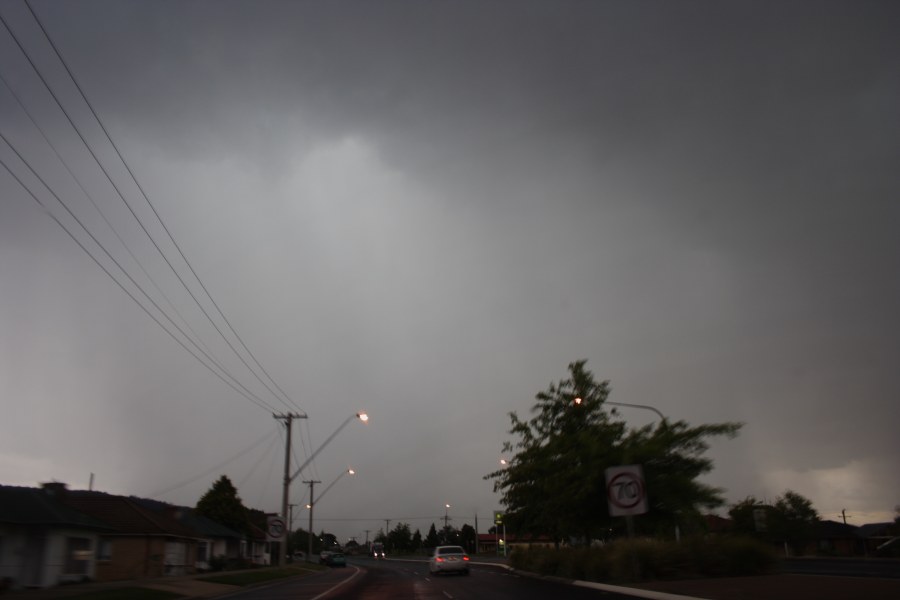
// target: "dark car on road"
[[336, 559]]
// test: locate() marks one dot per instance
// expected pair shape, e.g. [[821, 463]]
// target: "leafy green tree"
[[222, 504], [400, 538], [432, 540], [555, 484], [449, 535], [417, 541], [299, 540], [750, 517], [467, 538], [795, 519]]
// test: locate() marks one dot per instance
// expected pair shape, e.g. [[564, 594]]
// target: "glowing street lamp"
[[360, 415]]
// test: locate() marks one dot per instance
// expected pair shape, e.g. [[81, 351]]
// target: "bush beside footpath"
[[629, 561]]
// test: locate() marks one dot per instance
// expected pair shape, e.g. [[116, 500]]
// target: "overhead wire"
[[265, 486], [93, 202], [211, 470], [258, 462], [246, 393], [284, 398], [309, 449]]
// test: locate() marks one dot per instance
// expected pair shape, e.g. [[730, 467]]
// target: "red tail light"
[[465, 558], [438, 559]]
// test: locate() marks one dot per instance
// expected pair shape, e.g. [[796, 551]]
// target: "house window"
[[104, 550], [78, 553], [202, 551]]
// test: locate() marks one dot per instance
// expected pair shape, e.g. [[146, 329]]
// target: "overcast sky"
[[426, 210]]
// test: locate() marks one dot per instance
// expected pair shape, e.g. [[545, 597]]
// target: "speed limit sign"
[[275, 529], [626, 491]]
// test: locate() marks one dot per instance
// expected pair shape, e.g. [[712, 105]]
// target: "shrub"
[[644, 559]]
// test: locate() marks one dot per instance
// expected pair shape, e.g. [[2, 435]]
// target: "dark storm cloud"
[[698, 197]]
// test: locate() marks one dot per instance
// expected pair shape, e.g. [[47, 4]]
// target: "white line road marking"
[[446, 593]]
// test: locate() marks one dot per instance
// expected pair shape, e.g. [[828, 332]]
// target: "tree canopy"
[[555, 482], [222, 504], [791, 519], [432, 539]]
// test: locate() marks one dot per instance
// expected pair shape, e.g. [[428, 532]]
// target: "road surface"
[[368, 579]]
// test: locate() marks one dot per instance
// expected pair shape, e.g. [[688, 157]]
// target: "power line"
[[87, 195], [121, 196], [246, 393], [285, 399], [265, 455], [215, 468]]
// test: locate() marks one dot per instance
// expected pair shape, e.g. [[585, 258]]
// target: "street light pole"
[[331, 485], [313, 501], [644, 406], [310, 533], [361, 416], [629, 519]]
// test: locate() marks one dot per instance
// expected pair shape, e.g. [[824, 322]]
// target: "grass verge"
[[129, 593]]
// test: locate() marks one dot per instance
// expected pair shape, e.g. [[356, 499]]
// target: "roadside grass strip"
[[129, 593]]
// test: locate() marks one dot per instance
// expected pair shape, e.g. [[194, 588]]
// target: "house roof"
[[834, 529], [32, 506], [125, 515], [203, 526], [876, 530], [717, 524]]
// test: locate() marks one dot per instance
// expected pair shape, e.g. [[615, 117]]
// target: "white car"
[[449, 559]]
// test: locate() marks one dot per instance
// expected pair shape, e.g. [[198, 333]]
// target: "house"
[[256, 548], [215, 542], [44, 542], [141, 542], [715, 524], [832, 538]]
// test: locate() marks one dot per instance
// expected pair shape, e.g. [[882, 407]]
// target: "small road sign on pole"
[[626, 491], [275, 529]]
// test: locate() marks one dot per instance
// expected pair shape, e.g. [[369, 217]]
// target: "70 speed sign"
[[626, 491]]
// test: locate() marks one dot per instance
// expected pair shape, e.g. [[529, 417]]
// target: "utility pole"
[[312, 504], [288, 419], [291, 519]]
